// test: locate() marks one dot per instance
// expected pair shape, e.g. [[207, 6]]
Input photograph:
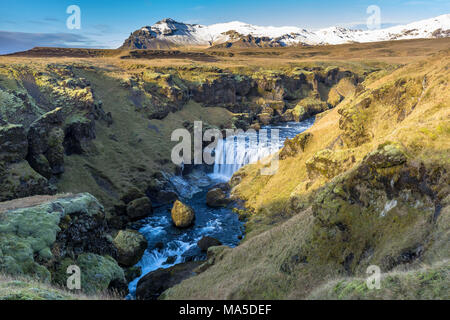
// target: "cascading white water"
[[235, 152]]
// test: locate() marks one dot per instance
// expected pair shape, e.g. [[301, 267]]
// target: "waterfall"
[[237, 151], [248, 147]]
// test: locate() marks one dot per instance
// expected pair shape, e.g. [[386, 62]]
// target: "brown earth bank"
[[367, 184]]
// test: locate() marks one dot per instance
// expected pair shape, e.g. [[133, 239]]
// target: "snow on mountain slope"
[[170, 33]]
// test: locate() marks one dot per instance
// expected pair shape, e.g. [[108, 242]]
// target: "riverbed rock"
[[131, 246], [183, 216], [207, 242], [139, 209], [151, 286], [217, 198]]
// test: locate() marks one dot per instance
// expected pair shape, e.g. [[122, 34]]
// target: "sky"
[[107, 23]]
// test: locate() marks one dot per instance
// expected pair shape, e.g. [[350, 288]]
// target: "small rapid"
[[167, 245]]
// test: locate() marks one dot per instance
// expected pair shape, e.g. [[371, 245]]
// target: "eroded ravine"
[[169, 246]]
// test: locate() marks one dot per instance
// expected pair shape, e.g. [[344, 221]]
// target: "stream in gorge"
[[180, 245]]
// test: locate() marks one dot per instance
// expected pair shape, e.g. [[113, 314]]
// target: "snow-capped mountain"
[[169, 33]]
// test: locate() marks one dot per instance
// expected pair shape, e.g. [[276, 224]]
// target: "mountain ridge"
[[168, 34]]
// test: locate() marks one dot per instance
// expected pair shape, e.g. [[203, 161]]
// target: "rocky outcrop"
[[131, 246], [296, 145], [78, 132], [17, 178], [13, 143], [183, 216], [45, 144], [385, 195], [42, 240]]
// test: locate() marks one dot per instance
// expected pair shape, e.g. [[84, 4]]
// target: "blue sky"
[[106, 23]]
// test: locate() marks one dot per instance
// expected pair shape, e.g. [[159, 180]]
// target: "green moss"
[[97, 272]]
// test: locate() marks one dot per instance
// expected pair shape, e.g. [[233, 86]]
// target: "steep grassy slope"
[[368, 184]]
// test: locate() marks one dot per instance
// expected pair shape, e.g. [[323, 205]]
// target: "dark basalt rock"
[[139, 209], [217, 198], [207, 242], [151, 286], [45, 144], [13, 143]]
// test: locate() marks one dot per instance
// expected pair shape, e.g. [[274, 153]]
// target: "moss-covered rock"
[[293, 146], [98, 273], [130, 245], [35, 239], [328, 163], [183, 216], [19, 180], [309, 107], [386, 156]]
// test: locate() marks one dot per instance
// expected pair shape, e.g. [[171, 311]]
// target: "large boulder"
[[139, 209], [217, 198], [207, 242], [131, 246], [183, 216], [151, 286]]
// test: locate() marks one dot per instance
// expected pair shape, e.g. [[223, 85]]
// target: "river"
[[223, 224]]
